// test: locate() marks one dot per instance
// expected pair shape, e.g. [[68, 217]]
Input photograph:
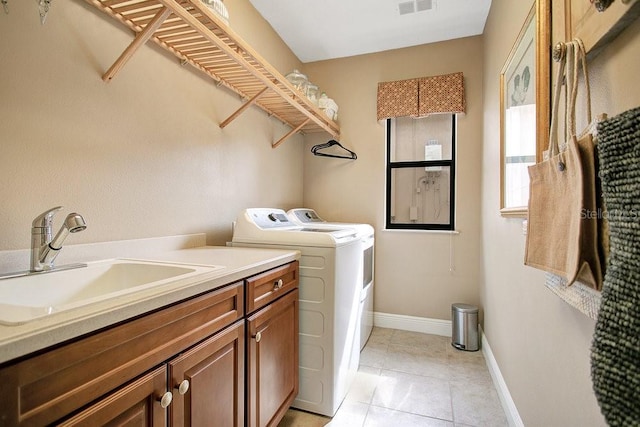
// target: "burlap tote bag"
[[562, 228]]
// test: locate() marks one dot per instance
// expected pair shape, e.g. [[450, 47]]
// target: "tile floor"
[[411, 379]]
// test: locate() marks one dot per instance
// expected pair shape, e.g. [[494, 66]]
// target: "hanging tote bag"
[[591, 260], [562, 228]]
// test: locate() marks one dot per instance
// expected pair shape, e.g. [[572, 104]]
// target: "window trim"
[[390, 166]]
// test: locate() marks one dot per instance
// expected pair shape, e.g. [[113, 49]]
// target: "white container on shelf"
[[219, 8], [298, 80], [312, 93], [328, 106]]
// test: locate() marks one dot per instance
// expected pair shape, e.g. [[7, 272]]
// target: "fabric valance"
[[421, 96]]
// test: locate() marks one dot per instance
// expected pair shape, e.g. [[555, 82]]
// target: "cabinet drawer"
[[47, 387], [271, 285]]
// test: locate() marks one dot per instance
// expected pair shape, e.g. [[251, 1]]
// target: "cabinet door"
[[208, 381], [136, 404], [272, 361]]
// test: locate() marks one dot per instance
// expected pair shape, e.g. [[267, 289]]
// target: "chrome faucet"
[[44, 248]]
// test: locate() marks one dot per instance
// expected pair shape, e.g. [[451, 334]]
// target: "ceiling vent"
[[406, 7], [423, 5], [413, 6]]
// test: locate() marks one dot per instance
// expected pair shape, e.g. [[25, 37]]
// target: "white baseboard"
[[509, 406], [412, 323], [443, 327]]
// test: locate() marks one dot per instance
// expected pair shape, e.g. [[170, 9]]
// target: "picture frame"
[[524, 108]]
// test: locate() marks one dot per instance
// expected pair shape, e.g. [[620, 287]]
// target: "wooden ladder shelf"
[[196, 35]]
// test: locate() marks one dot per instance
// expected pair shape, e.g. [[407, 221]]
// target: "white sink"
[[26, 298]]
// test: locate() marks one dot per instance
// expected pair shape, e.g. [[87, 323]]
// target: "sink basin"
[[26, 298]]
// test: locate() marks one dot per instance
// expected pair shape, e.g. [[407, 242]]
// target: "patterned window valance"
[[397, 99], [422, 96]]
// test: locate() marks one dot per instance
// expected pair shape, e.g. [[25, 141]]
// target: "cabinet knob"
[[277, 284], [258, 336], [183, 387], [166, 399]]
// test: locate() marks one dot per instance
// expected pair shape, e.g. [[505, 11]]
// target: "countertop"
[[238, 263]]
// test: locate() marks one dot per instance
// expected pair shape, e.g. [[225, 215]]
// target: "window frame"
[[390, 166]]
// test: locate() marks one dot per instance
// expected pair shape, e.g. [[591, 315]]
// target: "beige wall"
[[141, 156], [413, 274], [541, 344]]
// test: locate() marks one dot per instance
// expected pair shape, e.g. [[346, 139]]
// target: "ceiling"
[[327, 29]]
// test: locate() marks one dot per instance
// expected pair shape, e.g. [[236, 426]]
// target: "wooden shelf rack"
[[197, 36]]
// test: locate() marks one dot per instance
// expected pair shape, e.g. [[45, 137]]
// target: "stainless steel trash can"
[[464, 318]]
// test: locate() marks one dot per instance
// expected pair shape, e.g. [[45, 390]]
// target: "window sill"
[[519, 212], [393, 230]]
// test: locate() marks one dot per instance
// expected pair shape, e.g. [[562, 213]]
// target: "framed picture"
[[524, 103]]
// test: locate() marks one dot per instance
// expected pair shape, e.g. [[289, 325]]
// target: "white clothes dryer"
[[309, 217], [329, 300]]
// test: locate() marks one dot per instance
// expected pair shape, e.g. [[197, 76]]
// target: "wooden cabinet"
[[208, 382], [272, 345], [183, 365], [272, 361], [205, 383], [51, 385]]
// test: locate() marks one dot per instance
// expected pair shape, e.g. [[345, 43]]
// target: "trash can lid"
[[465, 308]]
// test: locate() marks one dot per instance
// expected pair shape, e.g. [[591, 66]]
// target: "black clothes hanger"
[[315, 150]]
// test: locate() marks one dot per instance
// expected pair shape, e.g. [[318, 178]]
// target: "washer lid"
[[309, 217], [272, 226]]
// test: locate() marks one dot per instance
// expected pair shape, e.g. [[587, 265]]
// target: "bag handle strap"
[[571, 92], [585, 74], [576, 60], [553, 131], [571, 58]]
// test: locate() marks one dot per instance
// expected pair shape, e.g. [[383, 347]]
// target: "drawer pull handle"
[[166, 399], [277, 284], [258, 336], [183, 387]]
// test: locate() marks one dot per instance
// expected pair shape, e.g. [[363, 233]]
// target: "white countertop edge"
[[20, 340]]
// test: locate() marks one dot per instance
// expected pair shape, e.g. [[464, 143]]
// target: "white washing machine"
[[309, 217], [329, 301]]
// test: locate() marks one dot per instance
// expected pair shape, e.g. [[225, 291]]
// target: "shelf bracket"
[[291, 132], [142, 37], [240, 110]]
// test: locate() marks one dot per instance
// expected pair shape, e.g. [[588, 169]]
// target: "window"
[[420, 169], [420, 192]]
